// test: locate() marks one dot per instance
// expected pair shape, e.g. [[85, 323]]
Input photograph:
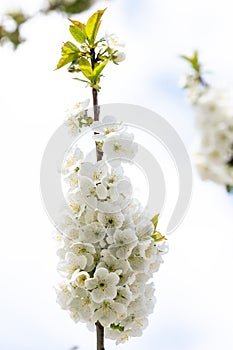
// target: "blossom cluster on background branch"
[[213, 107]]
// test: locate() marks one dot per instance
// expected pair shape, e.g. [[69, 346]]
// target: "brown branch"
[[95, 105], [96, 108], [100, 336]]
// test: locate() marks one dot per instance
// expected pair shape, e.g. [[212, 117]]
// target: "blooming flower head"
[[107, 253], [102, 285]]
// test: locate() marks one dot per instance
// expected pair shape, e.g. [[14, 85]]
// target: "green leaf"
[[93, 24], [84, 62], [70, 53], [69, 48], [65, 59], [99, 68], [78, 24], [155, 220], [85, 67], [158, 237], [77, 34], [194, 61], [186, 58]]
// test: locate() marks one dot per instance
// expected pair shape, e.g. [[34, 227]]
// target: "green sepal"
[[158, 237], [117, 327]]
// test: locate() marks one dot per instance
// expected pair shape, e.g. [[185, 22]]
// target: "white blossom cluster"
[[78, 118], [108, 248], [213, 109]]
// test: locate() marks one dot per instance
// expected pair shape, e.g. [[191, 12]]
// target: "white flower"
[[78, 278], [127, 278], [108, 125], [95, 172], [79, 107], [124, 295], [77, 117], [85, 251], [108, 312], [111, 220], [124, 188], [89, 216], [149, 297], [101, 191], [72, 161], [116, 334], [137, 262], [76, 203], [113, 264], [120, 57], [72, 180], [103, 285], [72, 262], [144, 229], [134, 325], [120, 146], [138, 286], [92, 233], [69, 227], [123, 243], [82, 304], [88, 189], [113, 178], [113, 41], [64, 295]]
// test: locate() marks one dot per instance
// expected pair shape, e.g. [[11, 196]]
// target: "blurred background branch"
[[11, 22]]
